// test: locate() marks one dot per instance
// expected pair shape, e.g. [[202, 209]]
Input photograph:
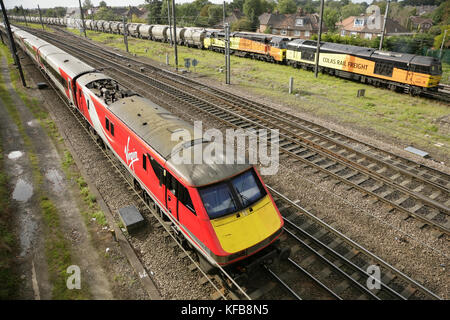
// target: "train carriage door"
[[80, 99], [171, 195]]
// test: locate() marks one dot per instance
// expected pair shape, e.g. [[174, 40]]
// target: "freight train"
[[402, 72], [397, 71], [223, 211]]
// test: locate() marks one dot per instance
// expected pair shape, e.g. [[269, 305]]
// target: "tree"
[[253, 8], [215, 14], [87, 4], [352, 9], [105, 13], [442, 14], [154, 11], [287, 6], [102, 4], [438, 39], [242, 25], [330, 18], [60, 11], [237, 4]]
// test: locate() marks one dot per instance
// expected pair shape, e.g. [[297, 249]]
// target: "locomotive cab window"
[[185, 198], [107, 123], [112, 129], [233, 195], [171, 183], [248, 188]]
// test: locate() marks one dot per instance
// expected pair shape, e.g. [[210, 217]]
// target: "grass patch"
[[57, 247], [58, 255], [9, 279], [34, 26]]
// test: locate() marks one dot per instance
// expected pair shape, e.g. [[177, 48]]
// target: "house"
[[420, 24], [368, 26], [298, 25]]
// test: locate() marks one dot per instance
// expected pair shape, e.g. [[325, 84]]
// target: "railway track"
[[340, 264], [406, 186], [394, 285], [441, 95]]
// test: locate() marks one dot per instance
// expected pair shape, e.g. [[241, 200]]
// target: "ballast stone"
[[131, 218]]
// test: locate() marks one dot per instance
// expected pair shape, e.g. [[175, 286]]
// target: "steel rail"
[[355, 245], [338, 255], [323, 286], [284, 284]]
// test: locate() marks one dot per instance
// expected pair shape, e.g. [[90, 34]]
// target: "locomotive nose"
[[248, 227]]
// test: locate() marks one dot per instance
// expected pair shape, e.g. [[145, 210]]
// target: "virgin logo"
[[131, 157]]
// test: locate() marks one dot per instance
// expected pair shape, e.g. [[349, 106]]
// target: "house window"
[[343, 33], [299, 22], [297, 33], [353, 34], [368, 35], [283, 32], [306, 33], [359, 22]]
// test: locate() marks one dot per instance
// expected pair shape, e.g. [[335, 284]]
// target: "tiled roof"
[[287, 21], [392, 26]]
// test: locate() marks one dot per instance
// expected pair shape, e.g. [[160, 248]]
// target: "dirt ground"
[[88, 243]]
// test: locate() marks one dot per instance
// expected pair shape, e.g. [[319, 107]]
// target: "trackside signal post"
[[82, 18], [175, 34], [170, 22], [12, 45], [384, 25], [125, 31], [40, 18], [24, 17], [227, 53], [316, 68]]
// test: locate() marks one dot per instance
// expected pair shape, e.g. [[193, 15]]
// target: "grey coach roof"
[[155, 125]]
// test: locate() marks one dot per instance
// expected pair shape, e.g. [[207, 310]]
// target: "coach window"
[[171, 183], [112, 129], [107, 123], [185, 198], [144, 162], [157, 168]]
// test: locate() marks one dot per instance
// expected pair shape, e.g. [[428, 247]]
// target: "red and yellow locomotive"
[[224, 211]]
